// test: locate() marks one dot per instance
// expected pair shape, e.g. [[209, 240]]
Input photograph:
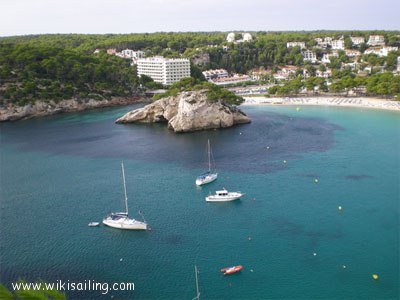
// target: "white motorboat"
[[121, 220], [93, 224], [224, 196], [210, 175]]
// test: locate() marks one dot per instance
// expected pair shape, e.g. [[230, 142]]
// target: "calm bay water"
[[59, 173]]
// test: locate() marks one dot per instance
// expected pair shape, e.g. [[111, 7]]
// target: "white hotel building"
[[164, 70]]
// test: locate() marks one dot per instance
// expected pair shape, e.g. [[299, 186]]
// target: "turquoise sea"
[[60, 173]]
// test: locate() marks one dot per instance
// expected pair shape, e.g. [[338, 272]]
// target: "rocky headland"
[[46, 108], [186, 112]]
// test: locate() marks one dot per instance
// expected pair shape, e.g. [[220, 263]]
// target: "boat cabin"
[[222, 193], [117, 216]]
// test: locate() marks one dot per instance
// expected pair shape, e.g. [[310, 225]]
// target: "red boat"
[[231, 270]]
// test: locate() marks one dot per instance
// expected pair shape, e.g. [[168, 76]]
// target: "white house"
[[381, 52], [384, 51], [376, 40], [352, 53], [231, 37], [164, 70], [127, 53], [338, 44], [247, 37], [323, 43], [217, 73], [289, 69], [309, 56], [351, 65], [136, 55], [398, 64], [302, 45], [139, 54], [323, 74], [281, 76], [236, 78], [373, 50], [259, 73], [326, 57], [357, 40]]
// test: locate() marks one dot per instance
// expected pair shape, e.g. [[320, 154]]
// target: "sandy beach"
[[364, 102]]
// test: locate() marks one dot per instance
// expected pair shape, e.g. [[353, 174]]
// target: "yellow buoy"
[[374, 276], [339, 207]]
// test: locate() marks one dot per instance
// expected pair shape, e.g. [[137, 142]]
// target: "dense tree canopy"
[[38, 72], [384, 84], [63, 66]]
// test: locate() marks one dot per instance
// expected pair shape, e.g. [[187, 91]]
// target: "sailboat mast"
[[197, 284], [126, 197], [209, 156]]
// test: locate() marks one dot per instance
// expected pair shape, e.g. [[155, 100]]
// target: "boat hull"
[[207, 179], [231, 270], [227, 198], [127, 224]]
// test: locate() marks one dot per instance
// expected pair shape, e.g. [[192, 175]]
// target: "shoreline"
[[42, 108], [360, 102], [48, 108]]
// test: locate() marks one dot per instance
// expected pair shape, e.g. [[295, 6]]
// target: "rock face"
[[188, 111], [42, 108]]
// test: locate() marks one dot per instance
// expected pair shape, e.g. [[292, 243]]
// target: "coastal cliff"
[[46, 108], [188, 111]]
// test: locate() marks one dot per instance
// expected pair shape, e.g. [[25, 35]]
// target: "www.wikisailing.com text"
[[65, 286]]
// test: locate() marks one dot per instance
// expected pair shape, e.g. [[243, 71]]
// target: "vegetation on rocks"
[[214, 92]]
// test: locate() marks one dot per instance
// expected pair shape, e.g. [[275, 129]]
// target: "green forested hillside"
[[62, 66], [30, 72]]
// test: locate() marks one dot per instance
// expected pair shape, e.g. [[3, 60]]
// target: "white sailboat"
[[121, 220], [210, 175], [197, 284]]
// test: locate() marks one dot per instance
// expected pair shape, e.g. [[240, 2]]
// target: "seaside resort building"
[[164, 70]]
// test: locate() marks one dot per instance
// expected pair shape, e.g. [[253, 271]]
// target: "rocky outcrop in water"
[[188, 111], [46, 108]]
